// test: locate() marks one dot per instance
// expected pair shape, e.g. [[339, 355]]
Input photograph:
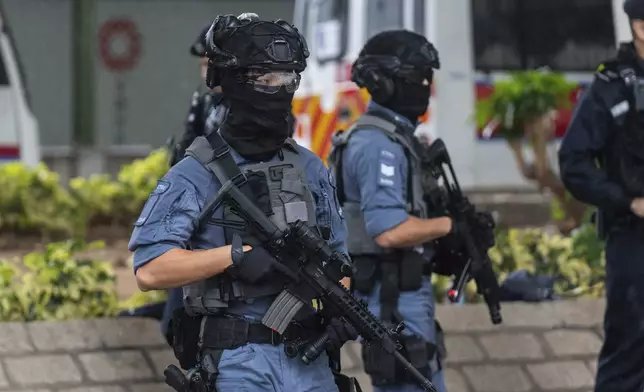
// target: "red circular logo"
[[119, 44]]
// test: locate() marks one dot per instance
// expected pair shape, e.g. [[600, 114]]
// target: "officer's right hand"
[[254, 265], [637, 206]]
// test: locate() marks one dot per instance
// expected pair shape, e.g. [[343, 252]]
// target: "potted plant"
[[523, 109]]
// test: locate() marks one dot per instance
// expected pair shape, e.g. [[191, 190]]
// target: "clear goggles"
[[270, 82]]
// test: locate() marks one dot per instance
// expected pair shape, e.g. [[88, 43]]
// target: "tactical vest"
[[359, 241], [628, 114], [287, 199]]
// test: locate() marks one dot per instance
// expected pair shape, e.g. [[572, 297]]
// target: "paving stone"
[[129, 332], [512, 346], [455, 381], [27, 390], [161, 387], [14, 339], [116, 366], [499, 378], [68, 335], [161, 359], [3, 378], [570, 342], [583, 312], [561, 375], [95, 389], [461, 348], [42, 369]]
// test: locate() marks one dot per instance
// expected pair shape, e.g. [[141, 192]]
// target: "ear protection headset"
[[372, 72], [375, 72], [223, 28]]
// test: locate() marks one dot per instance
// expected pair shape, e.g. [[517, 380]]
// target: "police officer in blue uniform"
[[377, 167], [227, 288], [601, 162]]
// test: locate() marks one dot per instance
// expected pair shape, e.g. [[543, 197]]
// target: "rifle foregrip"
[[315, 349]]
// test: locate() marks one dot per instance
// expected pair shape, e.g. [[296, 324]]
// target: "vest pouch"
[[411, 271], [364, 279], [379, 365], [418, 352], [185, 343]]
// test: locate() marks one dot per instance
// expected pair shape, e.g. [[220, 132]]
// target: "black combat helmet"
[[249, 43], [634, 9]]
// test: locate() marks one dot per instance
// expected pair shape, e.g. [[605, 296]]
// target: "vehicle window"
[[331, 29], [384, 15], [578, 36], [571, 35], [494, 29]]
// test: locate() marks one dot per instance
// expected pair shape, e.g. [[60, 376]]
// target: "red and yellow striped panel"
[[324, 124]]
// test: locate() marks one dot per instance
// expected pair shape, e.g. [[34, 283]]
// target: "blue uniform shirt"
[[377, 169], [168, 218]]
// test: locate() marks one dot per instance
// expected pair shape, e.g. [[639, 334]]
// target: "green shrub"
[[522, 98], [577, 262], [137, 180], [57, 284], [33, 201]]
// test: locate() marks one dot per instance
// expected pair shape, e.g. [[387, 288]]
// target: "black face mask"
[[258, 124], [409, 100]]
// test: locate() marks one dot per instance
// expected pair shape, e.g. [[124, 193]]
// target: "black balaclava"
[[257, 124], [410, 99]]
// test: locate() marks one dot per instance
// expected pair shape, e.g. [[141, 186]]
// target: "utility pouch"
[[418, 352], [411, 271], [366, 273], [185, 343], [379, 365]]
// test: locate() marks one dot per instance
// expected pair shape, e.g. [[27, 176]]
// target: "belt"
[[229, 333]]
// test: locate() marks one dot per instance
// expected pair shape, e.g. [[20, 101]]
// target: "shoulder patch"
[[607, 71], [162, 187]]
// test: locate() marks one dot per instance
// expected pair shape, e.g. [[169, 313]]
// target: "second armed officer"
[[378, 172]]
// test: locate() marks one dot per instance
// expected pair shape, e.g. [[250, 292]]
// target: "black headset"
[[371, 72]]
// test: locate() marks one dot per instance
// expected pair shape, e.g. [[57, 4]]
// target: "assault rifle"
[[467, 249], [317, 270]]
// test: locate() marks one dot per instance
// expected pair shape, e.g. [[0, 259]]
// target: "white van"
[[18, 126], [478, 41]]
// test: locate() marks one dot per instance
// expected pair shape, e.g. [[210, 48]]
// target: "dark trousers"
[[621, 360]]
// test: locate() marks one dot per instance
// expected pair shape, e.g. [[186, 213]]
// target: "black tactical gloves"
[[340, 332], [254, 265]]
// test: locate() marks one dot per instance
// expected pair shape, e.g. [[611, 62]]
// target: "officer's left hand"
[[340, 332]]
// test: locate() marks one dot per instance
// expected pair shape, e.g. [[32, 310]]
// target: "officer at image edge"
[[601, 161]]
